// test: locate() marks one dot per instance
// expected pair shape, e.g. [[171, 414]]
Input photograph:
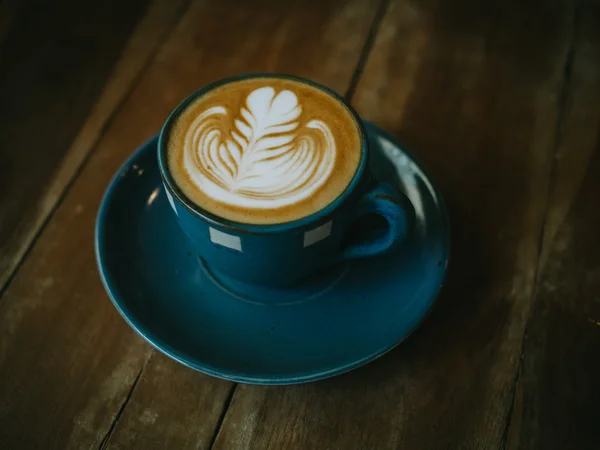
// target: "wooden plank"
[[473, 89], [61, 62], [135, 55], [557, 396], [171, 407], [577, 135], [558, 391], [17, 416], [70, 368]]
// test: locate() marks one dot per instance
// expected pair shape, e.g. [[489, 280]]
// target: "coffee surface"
[[264, 150]]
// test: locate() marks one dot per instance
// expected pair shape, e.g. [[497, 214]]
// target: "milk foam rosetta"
[[265, 153], [265, 161]]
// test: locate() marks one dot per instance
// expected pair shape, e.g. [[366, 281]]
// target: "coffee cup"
[[268, 177]]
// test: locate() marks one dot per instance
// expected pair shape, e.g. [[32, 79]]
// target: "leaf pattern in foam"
[[264, 161], [266, 119]]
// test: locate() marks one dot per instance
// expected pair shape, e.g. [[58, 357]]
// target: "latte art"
[[268, 160], [263, 150]]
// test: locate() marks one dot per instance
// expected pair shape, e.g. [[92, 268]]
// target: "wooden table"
[[501, 102]]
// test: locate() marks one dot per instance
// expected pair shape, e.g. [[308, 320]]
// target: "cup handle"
[[395, 208]]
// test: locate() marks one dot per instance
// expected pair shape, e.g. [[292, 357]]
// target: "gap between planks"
[[366, 50], [105, 440], [226, 406], [563, 93]]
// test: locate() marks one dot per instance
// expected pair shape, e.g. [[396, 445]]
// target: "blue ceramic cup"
[[366, 219]]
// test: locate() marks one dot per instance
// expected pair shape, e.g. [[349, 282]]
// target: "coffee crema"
[[264, 150]]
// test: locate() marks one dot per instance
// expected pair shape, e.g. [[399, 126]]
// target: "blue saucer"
[[337, 321]]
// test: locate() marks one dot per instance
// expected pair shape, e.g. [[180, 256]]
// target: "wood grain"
[[135, 55], [473, 88], [70, 368], [55, 58], [171, 407], [558, 391], [576, 139]]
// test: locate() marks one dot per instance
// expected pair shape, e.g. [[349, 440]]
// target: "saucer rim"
[[239, 376]]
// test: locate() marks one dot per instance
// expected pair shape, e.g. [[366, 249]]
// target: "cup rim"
[[224, 223]]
